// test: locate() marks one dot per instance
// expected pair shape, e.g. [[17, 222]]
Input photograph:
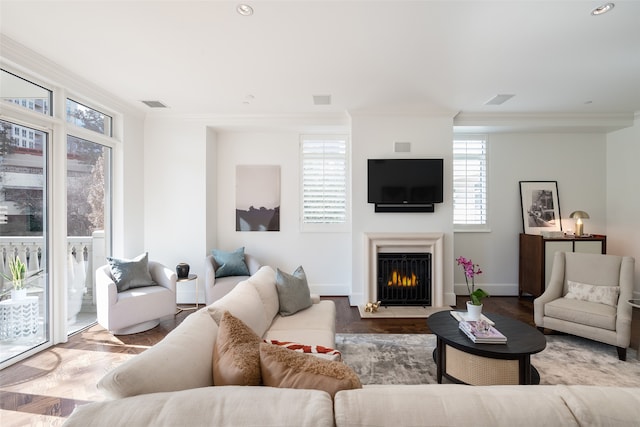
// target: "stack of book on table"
[[481, 335]]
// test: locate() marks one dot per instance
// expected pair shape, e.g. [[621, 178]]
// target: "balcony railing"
[[84, 254]]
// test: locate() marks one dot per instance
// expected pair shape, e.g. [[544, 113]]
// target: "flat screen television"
[[399, 182]]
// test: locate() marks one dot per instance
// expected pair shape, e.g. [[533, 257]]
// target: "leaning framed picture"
[[540, 206]]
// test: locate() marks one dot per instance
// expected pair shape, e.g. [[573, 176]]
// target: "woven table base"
[[478, 370]]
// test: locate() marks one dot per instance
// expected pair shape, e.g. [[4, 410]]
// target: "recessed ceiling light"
[[602, 9], [244, 9], [499, 99]]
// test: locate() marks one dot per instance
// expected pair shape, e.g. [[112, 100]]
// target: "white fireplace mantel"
[[432, 243]]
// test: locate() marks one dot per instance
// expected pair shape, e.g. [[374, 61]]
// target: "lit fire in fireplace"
[[402, 280]]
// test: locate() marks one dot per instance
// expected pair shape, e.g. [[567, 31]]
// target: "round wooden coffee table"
[[462, 361]]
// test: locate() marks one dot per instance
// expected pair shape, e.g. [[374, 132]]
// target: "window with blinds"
[[324, 180], [470, 181]]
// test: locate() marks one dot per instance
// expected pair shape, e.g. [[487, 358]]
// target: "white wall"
[[326, 257], [623, 201], [196, 158], [575, 160], [373, 136], [175, 196]]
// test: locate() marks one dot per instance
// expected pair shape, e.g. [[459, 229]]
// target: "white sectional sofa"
[[171, 384]]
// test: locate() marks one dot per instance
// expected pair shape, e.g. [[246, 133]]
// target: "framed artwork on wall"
[[257, 198], [540, 206]]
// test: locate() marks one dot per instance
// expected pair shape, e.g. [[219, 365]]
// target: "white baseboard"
[[336, 289]]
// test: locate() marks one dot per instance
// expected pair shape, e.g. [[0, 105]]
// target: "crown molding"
[[542, 122], [22, 59]]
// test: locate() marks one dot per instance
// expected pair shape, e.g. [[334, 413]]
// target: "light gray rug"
[[407, 359]]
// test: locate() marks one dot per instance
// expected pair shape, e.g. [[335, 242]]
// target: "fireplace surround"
[[432, 243]]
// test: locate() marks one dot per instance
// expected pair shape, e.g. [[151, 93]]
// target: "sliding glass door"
[[24, 290], [52, 164], [88, 172]]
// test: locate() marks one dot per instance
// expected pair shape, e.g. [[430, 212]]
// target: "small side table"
[[189, 278], [19, 318], [635, 325]]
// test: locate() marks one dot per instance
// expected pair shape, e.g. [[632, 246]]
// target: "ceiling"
[[203, 57]]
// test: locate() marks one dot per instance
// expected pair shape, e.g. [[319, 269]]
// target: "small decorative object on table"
[[371, 307], [182, 270], [481, 332], [474, 307]]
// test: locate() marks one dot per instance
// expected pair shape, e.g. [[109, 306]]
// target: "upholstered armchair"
[[135, 309], [217, 287], [587, 296]]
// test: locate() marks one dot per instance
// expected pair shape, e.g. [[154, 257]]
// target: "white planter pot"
[[18, 294], [473, 311]]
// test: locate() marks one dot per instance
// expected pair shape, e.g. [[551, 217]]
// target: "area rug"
[[407, 359]]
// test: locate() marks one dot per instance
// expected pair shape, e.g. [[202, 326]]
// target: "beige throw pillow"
[[236, 353], [284, 368], [593, 293]]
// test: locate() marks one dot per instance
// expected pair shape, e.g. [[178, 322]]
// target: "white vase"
[[473, 311], [18, 294]]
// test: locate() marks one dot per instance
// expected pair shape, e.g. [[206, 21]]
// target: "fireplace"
[[404, 278], [410, 243]]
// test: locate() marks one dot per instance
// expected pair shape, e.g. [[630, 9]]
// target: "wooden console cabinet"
[[536, 257]]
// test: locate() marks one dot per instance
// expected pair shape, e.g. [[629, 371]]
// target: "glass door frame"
[[55, 209]]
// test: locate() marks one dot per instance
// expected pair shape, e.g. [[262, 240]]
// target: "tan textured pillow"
[[236, 353], [284, 368], [601, 294]]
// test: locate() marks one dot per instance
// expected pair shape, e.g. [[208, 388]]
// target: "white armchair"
[[216, 288], [594, 305], [136, 309]]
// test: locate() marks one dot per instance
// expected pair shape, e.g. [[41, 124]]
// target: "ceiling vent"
[[499, 99], [322, 99], [154, 104]]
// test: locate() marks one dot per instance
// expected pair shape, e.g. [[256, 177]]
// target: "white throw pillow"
[[593, 293]]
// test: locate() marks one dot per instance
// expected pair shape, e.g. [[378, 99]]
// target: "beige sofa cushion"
[[211, 406], [191, 344], [264, 280], [452, 405], [603, 406], [587, 313], [245, 304], [315, 325]]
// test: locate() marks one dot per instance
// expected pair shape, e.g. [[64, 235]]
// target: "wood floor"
[[44, 389]]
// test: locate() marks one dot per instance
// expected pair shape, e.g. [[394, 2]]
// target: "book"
[[480, 336], [462, 315]]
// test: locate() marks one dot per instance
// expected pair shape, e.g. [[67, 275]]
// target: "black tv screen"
[[405, 181]]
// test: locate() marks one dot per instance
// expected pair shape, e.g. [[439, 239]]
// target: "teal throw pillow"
[[293, 291], [131, 273], [230, 263]]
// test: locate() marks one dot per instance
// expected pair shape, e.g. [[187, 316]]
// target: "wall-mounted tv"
[[405, 185]]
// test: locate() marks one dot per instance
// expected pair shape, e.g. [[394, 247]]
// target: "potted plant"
[[19, 277], [471, 270]]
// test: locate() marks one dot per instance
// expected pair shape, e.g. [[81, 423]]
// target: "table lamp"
[[578, 216]]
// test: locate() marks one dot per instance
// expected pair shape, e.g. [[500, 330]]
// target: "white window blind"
[[324, 179], [470, 180]]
